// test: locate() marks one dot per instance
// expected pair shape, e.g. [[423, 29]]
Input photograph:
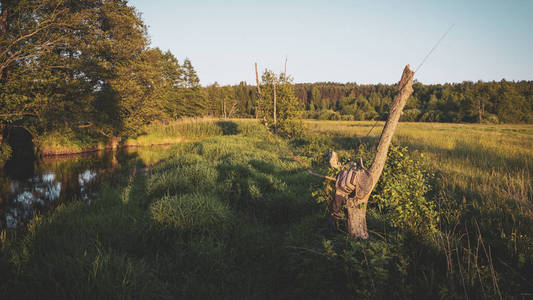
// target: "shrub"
[[401, 193], [291, 128], [490, 119]]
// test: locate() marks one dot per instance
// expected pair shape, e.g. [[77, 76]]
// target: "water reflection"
[[38, 192], [30, 188]]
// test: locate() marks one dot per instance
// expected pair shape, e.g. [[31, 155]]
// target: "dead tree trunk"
[[258, 91], [362, 180], [285, 68], [257, 82], [275, 106]]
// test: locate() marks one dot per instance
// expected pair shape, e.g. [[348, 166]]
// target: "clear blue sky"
[[346, 41]]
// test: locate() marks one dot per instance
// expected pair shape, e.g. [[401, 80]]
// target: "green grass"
[[207, 221], [232, 216], [179, 131], [484, 192], [67, 142], [157, 133]]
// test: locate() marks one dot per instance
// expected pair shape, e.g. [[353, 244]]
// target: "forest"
[[466, 102]]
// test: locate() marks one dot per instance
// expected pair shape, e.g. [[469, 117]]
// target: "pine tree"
[[189, 75]]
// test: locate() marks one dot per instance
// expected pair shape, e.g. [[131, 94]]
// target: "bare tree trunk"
[[357, 220], [258, 92], [285, 68], [224, 108], [275, 105], [257, 81], [365, 180], [405, 89]]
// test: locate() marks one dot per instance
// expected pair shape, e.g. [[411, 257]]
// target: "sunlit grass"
[[493, 161], [174, 132]]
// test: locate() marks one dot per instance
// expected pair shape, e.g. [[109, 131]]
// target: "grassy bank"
[[233, 216], [157, 133], [207, 221]]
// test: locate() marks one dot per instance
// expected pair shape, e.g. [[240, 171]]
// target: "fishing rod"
[[434, 47], [419, 66]]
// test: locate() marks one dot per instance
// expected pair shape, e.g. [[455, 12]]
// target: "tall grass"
[[483, 190], [156, 133], [234, 216], [205, 222]]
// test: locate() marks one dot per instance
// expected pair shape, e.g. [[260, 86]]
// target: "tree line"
[[87, 66], [467, 102]]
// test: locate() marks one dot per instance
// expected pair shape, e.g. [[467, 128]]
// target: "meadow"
[[229, 213]]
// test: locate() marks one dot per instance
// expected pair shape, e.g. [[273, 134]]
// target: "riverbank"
[[157, 133]]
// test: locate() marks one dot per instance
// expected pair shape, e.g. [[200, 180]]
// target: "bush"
[[401, 193], [490, 119], [291, 128]]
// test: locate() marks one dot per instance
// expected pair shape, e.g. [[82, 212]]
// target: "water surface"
[[31, 186]]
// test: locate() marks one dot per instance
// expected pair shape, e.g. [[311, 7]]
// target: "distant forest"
[[468, 102]]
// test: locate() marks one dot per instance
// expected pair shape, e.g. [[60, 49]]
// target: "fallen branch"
[[310, 171]]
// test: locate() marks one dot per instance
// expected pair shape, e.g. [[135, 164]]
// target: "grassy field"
[[231, 215], [489, 163], [483, 189]]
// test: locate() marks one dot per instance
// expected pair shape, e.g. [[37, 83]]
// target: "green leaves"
[[87, 64], [401, 193]]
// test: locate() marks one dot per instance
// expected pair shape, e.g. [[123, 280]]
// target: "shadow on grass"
[[193, 227], [228, 127]]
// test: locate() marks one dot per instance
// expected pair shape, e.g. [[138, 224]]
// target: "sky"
[[346, 41]]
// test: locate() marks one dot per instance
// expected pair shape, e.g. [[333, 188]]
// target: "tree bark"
[[258, 92], [405, 89], [285, 69], [275, 105], [257, 82], [365, 180]]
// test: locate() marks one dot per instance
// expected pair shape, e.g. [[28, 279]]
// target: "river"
[[32, 186]]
